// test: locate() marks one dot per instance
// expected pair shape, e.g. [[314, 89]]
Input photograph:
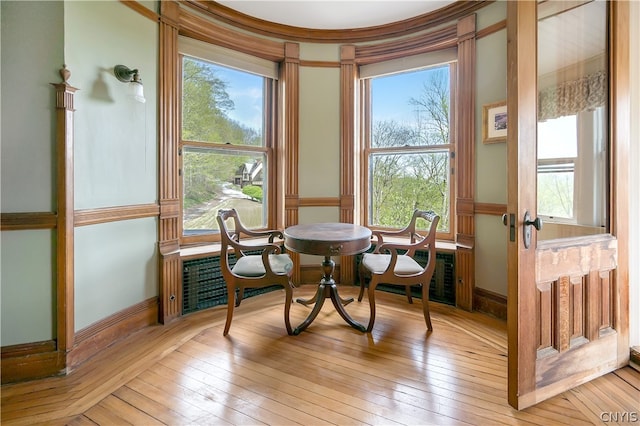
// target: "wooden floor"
[[187, 373]]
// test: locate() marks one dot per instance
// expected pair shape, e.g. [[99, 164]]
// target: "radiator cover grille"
[[442, 288], [203, 285]]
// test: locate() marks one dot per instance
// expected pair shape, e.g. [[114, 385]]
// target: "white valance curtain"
[[571, 97]]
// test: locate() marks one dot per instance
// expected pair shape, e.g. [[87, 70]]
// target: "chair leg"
[[239, 296], [231, 291], [407, 291], [372, 303], [287, 306], [425, 306], [362, 282]]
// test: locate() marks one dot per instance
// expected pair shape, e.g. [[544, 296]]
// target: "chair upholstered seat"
[[378, 263], [251, 266]]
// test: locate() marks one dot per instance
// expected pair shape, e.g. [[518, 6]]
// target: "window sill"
[[205, 250]]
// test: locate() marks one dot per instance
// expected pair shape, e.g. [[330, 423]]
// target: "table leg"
[[328, 266], [320, 296], [337, 302], [327, 289], [310, 300]]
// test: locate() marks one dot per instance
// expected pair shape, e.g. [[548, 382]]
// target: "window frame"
[[270, 120], [584, 137], [365, 112]]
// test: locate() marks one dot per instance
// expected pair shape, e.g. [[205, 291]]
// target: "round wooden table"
[[327, 239]]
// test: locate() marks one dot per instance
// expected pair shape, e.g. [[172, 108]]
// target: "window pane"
[[221, 105], [411, 109], [400, 183], [558, 137], [216, 179], [555, 191], [557, 152]]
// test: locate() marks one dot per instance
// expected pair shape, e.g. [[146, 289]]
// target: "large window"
[[409, 151], [225, 146]]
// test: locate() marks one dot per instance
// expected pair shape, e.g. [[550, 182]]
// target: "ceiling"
[[334, 14], [582, 21]]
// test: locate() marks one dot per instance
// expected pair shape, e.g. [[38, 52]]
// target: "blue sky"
[[393, 92], [246, 91], [391, 100]]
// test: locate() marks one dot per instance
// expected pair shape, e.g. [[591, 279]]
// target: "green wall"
[[32, 53], [491, 159], [116, 155], [115, 159]]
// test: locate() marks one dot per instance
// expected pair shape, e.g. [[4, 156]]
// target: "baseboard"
[[490, 303], [102, 334], [42, 359], [30, 361]]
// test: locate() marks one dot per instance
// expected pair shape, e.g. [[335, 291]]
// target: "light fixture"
[[127, 75]]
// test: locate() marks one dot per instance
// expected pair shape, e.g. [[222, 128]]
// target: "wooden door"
[[567, 295]]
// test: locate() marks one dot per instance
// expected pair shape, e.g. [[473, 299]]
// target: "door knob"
[[504, 219], [537, 223], [526, 229]]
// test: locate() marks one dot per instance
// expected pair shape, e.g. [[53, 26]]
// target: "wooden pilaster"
[[465, 181], [64, 226], [291, 86], [169, 197], [348, 71]]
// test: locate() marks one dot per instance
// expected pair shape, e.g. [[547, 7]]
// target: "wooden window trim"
[[444, 38]]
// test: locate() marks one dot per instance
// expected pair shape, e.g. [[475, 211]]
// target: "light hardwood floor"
[[187, 373]]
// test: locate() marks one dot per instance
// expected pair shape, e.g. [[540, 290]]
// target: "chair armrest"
[[269, 248], [410, 230], [423, 244], [377, 236], [272, 234]]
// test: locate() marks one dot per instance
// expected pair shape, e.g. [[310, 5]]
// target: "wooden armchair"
[[270, 267], [392, 262]]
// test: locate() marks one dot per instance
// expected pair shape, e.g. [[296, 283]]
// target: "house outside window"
[[408, 146], [224, 148]]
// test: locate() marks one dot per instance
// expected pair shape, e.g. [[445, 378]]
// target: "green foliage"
[[205, 107], [555, 194], [404, 180], [205, 103], [255, 192]]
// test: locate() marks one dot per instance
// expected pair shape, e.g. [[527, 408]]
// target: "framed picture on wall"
[[494, 122]]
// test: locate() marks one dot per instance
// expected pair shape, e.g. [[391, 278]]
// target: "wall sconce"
[[127, 75]]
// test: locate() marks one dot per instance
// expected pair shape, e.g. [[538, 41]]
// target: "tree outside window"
[[223, 146], [409, 148]]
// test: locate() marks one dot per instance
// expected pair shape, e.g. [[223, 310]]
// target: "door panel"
[[567, 297], [574, 287]]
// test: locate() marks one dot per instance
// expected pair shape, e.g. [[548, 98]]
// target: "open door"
[[567, 215]]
